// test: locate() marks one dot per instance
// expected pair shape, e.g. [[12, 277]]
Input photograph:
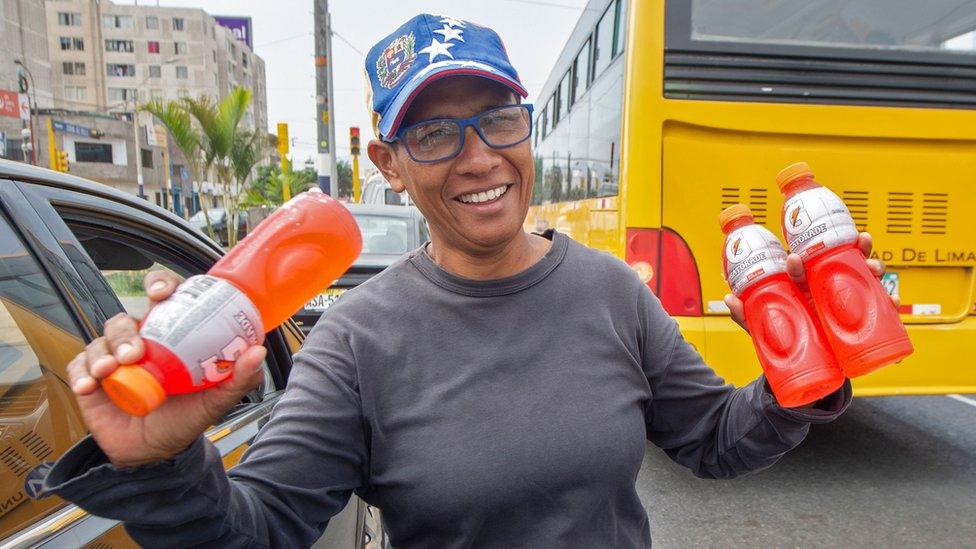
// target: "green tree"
[[344, 172], [186, 135], [265, 187], [219, 129]]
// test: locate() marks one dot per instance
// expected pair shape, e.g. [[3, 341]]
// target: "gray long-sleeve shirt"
[[495, 413]]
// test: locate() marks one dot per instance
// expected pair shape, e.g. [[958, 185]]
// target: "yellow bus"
[[659, 114]]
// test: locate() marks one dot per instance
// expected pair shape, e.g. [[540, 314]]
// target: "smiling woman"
[[489, 386]]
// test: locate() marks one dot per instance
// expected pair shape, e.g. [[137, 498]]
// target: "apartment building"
[[23, 39], [110, 57]]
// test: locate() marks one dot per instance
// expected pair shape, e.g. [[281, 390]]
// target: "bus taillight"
[[663, 261]]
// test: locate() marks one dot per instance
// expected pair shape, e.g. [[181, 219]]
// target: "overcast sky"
[[534, 32]]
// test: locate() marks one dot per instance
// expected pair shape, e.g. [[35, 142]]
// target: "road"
[[891, 472]]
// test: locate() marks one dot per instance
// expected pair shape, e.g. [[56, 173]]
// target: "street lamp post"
[[31, 98]]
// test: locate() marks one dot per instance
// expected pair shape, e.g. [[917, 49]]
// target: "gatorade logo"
[[737, 250], [797, 219]]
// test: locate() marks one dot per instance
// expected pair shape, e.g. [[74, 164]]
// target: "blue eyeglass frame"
[[464, 123]]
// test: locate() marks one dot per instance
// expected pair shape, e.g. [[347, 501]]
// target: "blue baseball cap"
[[428, 48]]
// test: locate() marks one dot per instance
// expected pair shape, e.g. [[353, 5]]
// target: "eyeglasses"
[[441, 139]]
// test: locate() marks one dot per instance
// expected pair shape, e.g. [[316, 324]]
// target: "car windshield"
[[215, 214], [384, 234]]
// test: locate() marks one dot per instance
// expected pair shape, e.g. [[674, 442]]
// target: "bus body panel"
[[907, 174]]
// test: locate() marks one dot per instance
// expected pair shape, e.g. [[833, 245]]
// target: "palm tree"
[[218, 125], [188, 139]]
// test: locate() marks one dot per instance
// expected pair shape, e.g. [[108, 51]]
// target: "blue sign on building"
[[68, 127]]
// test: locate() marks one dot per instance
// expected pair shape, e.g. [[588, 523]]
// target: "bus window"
[[604, 41], [564, 97], [553, 108], [618, 45], [581, 72], [913, 26]]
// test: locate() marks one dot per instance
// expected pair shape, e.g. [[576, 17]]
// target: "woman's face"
[[442, 190]]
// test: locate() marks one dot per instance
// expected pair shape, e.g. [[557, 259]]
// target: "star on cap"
[[452, 21], [437, 48], [450, 33]]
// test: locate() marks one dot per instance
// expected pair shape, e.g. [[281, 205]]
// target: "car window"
[[384, 234], [124, 260], [38, 417]]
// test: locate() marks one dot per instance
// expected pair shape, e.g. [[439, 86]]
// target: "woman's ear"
[[384, 157]]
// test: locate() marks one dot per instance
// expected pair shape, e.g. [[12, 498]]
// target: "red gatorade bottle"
[[193, 338], [858, 317], [794, 354]]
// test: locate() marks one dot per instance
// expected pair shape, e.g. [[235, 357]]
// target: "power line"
[[548, 4], [348, 43], [278, 41]]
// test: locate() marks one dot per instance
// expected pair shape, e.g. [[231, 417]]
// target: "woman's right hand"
[[165, 432]]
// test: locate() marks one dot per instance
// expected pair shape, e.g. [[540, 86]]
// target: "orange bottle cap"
[[134, 390], [793, 172], [733, 212]]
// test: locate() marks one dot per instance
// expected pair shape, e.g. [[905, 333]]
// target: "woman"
[[493, 388]]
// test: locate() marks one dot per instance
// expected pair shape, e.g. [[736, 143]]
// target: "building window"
[[93, 152], [182, 73], [120, 69], [147, 158], [153, 46], [69, 19], [124, 46], [121, 94], [117, 21], [214, 52], [73, 68], [152, 22], [75, 93], [244, 59], [156, 95], [177, 23], [182, 93], [179, 48], [155, 71], [72, 43]]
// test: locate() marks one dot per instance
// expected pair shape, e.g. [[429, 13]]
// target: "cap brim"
[[391, 120]]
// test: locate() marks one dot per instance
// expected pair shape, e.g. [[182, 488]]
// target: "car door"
[[110, 245]]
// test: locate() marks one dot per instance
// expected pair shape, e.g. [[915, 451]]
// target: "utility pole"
[[328, 179]]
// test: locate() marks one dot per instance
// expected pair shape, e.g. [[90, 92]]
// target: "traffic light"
[[62, 161], [354, 141]]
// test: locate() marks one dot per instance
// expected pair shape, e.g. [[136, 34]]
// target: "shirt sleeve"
[[707, 425], [299, 472]]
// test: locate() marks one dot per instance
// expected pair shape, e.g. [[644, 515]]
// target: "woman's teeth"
[[478, 198]]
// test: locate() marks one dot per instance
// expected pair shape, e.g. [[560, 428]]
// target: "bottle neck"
[[737, 223], [799, 185]]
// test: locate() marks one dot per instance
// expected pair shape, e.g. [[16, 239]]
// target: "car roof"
[[390, 210], [34, 174]]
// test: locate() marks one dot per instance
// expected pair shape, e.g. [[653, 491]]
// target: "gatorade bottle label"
[[752, 253], [817, 220], [207, 323]]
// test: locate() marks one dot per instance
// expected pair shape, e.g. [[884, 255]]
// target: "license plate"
[[322, 301], [890, 283]]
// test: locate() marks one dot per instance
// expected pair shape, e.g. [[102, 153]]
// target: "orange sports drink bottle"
[[193, 337], [791, 346], [859, 319]]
